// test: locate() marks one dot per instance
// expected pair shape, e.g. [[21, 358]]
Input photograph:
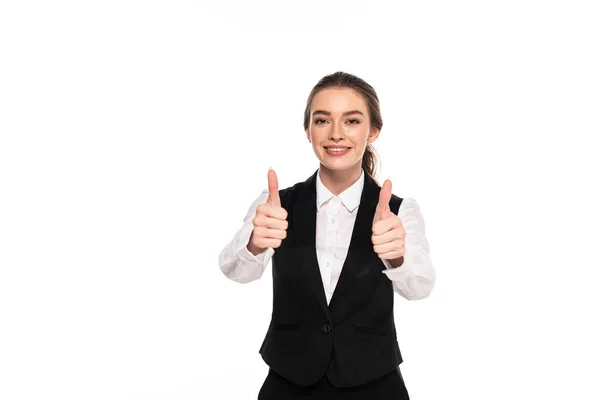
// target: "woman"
[[340, 247]]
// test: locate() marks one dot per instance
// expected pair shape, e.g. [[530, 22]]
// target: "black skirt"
[[387, 387]]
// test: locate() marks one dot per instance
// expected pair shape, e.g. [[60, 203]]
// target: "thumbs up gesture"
[[270, 222], [388, 233]]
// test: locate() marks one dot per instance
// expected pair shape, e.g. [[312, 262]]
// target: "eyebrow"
[[323, 112]]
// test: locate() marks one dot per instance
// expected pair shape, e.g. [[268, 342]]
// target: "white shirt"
[[336, 215]]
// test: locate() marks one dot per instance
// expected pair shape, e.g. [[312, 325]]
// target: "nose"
[[336, 132]]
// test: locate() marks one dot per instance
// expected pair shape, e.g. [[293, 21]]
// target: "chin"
[[337, 166]]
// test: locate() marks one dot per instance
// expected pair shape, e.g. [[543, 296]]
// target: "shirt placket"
[[331, 232]]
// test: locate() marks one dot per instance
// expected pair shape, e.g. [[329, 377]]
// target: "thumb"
[[273, 189], [385, 195]]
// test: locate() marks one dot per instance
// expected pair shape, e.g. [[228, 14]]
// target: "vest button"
[[326, 329]]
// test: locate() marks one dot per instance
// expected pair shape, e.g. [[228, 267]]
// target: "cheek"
[[359, 137], [318, 134]]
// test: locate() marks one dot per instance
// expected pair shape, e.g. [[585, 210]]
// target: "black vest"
[[353, 339]]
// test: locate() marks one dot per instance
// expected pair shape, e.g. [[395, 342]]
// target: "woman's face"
[[339, 118]]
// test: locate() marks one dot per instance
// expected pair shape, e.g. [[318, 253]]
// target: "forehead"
[[338, 100]]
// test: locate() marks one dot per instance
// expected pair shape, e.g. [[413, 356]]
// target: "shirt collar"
[[350, 197]]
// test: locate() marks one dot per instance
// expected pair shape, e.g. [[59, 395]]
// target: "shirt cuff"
[[399, 273], [245, 254]]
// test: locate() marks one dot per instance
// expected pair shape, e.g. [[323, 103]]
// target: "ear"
[[373, 135], [308, 136]]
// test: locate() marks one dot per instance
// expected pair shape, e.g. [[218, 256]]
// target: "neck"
[[338, 181]]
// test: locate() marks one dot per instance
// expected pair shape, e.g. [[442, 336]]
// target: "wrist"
[[396, 262], [252, 248]]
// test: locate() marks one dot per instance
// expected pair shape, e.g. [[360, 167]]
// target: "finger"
[[389, 249], [385, 195], [267, 233], [390, 236], [385, 247], [273, 223], [392, 255], [385, 224], [272, 211], [273, 188]]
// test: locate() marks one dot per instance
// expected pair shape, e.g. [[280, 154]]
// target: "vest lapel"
[[305, 218], [305, 229]]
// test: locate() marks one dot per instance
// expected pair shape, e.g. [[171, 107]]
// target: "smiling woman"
[[342, 111], [341, 245]]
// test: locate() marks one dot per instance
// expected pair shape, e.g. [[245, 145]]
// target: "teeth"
[[337, 149]]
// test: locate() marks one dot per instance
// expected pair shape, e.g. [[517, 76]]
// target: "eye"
[[355, 121], [317, 121]]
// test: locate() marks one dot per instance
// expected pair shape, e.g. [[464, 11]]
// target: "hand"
[[270, 222], [388, 233]]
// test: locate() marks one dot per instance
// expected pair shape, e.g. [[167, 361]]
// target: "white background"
[[135, 134]]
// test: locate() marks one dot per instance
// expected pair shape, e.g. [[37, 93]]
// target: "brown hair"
[[346, 80]]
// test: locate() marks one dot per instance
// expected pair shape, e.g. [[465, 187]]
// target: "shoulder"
[[290, 193], [407, 202], [301, 190], [410, 208], [397, 199]]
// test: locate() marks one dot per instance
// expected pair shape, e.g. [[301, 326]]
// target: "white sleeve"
[[415, 278], [235, 260]]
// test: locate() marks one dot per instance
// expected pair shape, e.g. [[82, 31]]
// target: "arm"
[[414, 278], [235, 260]]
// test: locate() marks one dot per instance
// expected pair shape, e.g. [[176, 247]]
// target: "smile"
[[337, 151]]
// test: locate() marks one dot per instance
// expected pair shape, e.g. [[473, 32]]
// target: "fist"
[[388, 233], [270, 222]]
